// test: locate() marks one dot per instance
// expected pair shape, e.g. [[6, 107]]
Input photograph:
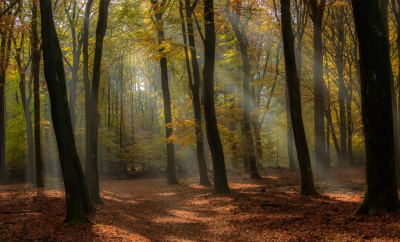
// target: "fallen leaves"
[[268, 209]]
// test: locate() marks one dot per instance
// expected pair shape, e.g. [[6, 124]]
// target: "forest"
[[200, 119]]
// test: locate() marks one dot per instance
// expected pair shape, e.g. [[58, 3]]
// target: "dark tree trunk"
[[195, 89], [35, 69], [4, 61], [91, 167], [349, 97], [380, 190], [77, 196], [214, 141], [289, 132], [395, 7], [171, 174], [307, 181], [317, 12], [249, 151]]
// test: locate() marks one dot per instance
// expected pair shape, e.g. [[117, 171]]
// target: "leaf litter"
[[267, 209]]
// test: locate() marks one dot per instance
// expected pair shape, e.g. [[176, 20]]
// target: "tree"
[[293, 89], [91, 167], [76, 192], [249, 151], [159, 9], [380, 190], [316, 13], [35, 69], [5, 47], [25, 100], [214, 141], [194, 84]]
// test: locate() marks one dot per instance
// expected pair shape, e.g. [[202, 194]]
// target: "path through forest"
[[269, 209]]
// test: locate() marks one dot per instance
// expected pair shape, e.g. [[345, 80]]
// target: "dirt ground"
[[269, 209]]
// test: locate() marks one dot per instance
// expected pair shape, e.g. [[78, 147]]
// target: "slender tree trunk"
[[349, 97], [27, 113], [4, 61], [307, 181], [249, 151], [91, 168], [76, 192], [171, 176], [380, 190], [195, 88], [35, 69], [317, 12], [214, 141], [289, 133]]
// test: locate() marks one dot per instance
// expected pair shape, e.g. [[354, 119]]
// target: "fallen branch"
[[21, 211]]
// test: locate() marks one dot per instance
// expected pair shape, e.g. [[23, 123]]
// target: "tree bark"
[[35, 69], [293, 84], [171, 173], [91, 167], [214, 141], [380, 190], [195, 89], [249, 151], [317, 13], [76, 192]]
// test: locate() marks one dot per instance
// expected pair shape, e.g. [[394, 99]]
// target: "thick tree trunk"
[[380, 190], [77, 196], [171, 173], [214, 141], [293, 84]]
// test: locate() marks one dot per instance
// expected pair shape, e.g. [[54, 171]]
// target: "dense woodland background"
[[131, 128]]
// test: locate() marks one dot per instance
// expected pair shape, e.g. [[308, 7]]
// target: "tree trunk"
[[35, 69], [91, 167], [289, 132], [77, 196], [380, 190], [249, 151], [317, 12], [27, 113], [171, 174], [214, 141], [195, 89], [293, 84]]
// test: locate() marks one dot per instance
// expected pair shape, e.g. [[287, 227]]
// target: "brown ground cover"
[[269, 209]]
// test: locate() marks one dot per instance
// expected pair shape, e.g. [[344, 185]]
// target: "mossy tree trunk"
[[380, 190]]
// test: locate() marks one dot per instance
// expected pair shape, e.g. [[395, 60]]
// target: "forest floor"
[[268, 209]]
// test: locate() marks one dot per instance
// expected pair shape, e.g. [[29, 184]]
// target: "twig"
[[7, 222], [380, 227]]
